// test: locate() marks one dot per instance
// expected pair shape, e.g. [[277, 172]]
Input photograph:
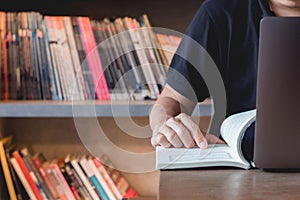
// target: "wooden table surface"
[[228, 184]]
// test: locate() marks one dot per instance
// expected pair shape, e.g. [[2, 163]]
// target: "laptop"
[[277, 134]]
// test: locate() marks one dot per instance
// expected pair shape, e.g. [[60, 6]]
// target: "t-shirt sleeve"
[[183, 76]]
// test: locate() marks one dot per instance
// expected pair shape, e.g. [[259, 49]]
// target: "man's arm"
[[171, 123]]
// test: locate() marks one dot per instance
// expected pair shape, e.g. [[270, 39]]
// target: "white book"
[[84, 180], [55, 61], [101, 180], [22, 179], [145, 65], [75, 58], [66, 61], [230, 154]]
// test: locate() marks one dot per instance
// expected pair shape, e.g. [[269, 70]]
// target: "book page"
[[234, 127], [214, 155]]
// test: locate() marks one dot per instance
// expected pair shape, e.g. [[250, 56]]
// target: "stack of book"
[[24, 175], [77, 58]]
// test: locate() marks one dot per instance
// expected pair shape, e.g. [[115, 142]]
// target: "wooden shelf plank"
[[87, 109]]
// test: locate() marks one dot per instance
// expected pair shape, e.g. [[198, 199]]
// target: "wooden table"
[[228, 184]]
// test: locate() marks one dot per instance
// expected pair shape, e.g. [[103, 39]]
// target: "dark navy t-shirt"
[[228, 30]]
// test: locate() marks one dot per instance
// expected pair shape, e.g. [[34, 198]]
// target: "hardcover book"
[[229, 154]]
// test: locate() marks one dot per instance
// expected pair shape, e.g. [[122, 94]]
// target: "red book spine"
[[45, 177], [67, 189], [89, 56], [25, 171], [5, 71], [102, 81], [130, 193]]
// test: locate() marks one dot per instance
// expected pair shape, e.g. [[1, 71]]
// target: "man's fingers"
[[160, 140], [171, 136], [182, 132], [212, 139], [197, 135]]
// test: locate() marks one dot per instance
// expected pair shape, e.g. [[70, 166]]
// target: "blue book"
[[99, 188]]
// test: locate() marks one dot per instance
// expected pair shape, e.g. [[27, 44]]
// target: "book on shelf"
[[230, 154], [79, 58], [30, 175]]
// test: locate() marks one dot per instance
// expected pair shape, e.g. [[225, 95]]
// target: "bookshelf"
[[48, 126]]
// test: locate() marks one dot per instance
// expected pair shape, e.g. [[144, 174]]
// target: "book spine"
[[74, 87], [100, 84], [146, 58], [158, 70], [101, 180], [89, 172], [89, 59], [10, 68], [107, 178], [110, 60], [70, 182], [142, 59], [125, 82], [44, 73], [103, 57], [75, 58], [44, 90], [25, 52], [1, 53], [49, 63], [84, 180], [99, 75], [63, 65], [49, 30], [36, 79], [5, 64], [65, 185], [7, 175], [45, 178], [34, 178], [27, 175], [22, 178], [130, 193], [53, 181], [16, 56], [18, 187], [75, 177], [121, 183], [159, 53], [39, 180]]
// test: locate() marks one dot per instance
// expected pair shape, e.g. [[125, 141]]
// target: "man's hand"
[[181, 131]]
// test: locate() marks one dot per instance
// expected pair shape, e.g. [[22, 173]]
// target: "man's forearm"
[[163, 108]]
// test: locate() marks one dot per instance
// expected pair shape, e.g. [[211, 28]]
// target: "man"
[[228, 30]]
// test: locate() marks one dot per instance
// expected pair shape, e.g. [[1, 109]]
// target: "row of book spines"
[[74, 179], [88, 44], [93, 185]]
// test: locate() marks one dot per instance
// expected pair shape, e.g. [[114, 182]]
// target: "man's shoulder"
[[230, 7]]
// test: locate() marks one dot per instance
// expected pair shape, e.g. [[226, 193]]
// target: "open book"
[[230, 154]]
